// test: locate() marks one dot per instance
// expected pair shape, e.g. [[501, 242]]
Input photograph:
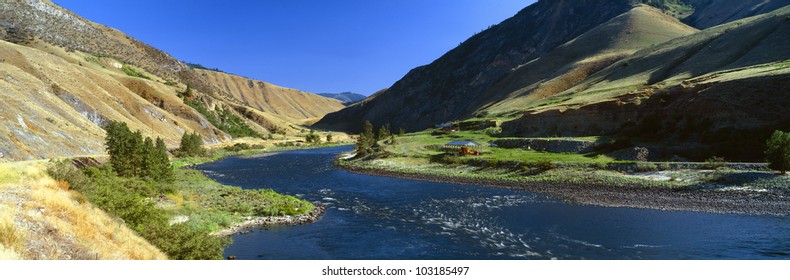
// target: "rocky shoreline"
[[254, 222], [775, 203]]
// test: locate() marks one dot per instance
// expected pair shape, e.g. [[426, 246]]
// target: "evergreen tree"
[[778, 152], [120, 144], [383, 133], [192, 145], [163, 171], [329, 137], [366, 139], [148, 162]]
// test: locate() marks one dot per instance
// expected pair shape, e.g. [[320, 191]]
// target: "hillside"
[[56, 104], [41, 219], [57, 26], [290, 103], [574, 61], [63, 77], [709, 13], [719, 91], [470, 77], [347, 98]]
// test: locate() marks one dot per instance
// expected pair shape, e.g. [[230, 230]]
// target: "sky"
[[318, 46]]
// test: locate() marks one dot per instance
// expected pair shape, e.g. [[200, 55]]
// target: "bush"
[[778, 151], [715, 163], [544, 164], [646, 167], [64, 170], [238, 147], [493, 131]]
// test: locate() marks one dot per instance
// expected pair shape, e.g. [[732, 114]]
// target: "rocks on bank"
[[253, 222]]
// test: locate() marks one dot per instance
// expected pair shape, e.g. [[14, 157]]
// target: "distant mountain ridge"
[[347, 97]]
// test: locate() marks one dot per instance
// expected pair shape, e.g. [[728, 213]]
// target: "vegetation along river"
[[372, 217]]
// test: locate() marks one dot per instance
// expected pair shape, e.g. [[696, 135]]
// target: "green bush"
[[778, 151], [544, 164], [64, 170], [646, 167], [715, 163], [133, 73], [127, 199], [493, 131]]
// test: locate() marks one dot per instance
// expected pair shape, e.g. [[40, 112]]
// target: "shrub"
[[133, 73], [493, 131], [64, 170], [646, 167], [778, 151], [544, 164], [715, 163]]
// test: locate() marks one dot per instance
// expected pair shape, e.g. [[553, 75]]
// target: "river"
[[371, 217]]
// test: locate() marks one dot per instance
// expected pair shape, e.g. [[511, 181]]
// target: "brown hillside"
[[55, 104], [290, 103], [58, 26]]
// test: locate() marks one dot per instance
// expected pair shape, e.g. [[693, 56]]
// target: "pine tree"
[[383, 133], [366, 139], [163, 170], [148, 162]]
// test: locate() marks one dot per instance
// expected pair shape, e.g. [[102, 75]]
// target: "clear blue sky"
[[312, 45]]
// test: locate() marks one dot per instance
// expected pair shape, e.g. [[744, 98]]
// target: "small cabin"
[[463, 147]]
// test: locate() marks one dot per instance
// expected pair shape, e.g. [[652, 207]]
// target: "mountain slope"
[[63, 77], [347, 98], [55, 107], [263, 96], [441, 91], [60, 27], [720, 91], [574, 61], [470, 77], [709, 13]]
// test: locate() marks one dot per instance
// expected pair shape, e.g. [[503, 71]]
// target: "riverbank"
[[592, 188], [256, 222]]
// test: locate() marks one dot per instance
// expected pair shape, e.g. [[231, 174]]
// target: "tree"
[[313, 137], [778, 151], [163, 171], [329, 137], [148, 163], [366, 139], [191, 145], [383, 133], [122, 147], [133, 156]]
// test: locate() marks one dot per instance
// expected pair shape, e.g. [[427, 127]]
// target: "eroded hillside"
[[286, 102]]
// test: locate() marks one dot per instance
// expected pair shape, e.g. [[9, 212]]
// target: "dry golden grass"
[[11, 238], [53, 222]]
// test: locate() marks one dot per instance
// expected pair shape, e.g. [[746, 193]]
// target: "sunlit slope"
[[56, 102], [266, 97], [41, 219], [581, 57]]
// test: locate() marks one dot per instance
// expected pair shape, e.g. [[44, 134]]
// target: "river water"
[[371, 217]]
